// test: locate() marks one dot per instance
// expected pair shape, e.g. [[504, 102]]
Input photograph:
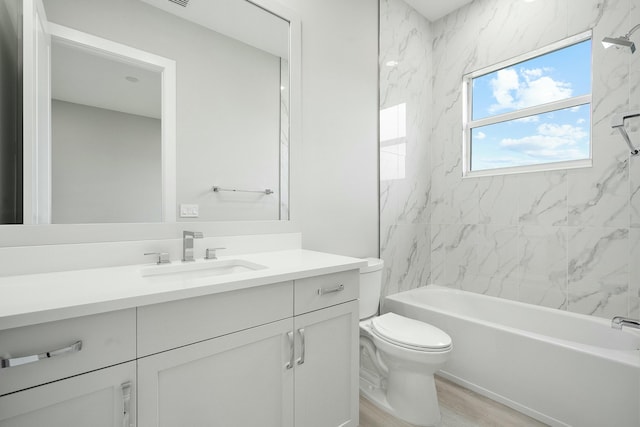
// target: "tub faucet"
[[619, 321], [187, 244]]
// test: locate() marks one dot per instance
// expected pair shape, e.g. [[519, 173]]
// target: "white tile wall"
[[405, 40], [564, 239]]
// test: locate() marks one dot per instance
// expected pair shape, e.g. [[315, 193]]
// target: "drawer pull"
[[17, 361], [126, 404], [300, 360], [323, 291], [289, 364]]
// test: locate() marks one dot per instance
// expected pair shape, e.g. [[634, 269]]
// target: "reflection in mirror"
[[232, 127], [105, 144], [242, 143], [105, 138], [10, 114]]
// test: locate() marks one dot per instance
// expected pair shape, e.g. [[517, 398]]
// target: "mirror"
[[231, 116]]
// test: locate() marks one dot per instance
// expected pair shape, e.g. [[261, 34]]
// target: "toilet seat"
[[409, 333]]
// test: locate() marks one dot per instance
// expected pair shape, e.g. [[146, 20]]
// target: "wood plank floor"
[[459, 407]]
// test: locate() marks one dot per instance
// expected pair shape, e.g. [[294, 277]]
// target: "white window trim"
[[469, 124]]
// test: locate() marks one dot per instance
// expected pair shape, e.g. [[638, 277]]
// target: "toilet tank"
[[370, 287]]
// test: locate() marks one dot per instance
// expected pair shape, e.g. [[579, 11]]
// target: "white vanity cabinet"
[[219, 360], [326, 386], [74, 372], [238, 379], [327, 344], [103, 398], [277, 355], [267, 353]]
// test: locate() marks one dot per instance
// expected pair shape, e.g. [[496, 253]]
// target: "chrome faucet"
[[187, 244], [619, 321]]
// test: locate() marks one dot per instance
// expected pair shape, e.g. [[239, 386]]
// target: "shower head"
[[622, 41], [618, 42]]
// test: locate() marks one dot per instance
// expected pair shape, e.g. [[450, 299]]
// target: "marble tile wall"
[[405, 104], [564, 239]]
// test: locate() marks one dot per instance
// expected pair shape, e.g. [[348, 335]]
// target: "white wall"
[[105, 165], [339, 182]]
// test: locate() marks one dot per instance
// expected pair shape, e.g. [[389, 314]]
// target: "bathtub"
[[562, 368]]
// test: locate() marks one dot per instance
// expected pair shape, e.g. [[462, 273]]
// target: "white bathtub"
[[558, 367]]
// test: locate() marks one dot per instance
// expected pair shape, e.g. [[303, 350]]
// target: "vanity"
[[127, 346]]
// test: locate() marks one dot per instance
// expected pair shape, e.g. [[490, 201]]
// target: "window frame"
[[469, 124]]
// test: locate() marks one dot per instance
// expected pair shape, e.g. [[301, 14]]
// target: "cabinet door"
[[241, 379], [103, 398], [326, 377]]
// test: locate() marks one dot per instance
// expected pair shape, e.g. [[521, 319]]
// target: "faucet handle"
[[211, 253], [163, 257]]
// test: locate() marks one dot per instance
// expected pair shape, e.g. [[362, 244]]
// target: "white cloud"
[[505, 86], [541, 91], [534, 72], [525, 88], [480, 135], [557, 142]]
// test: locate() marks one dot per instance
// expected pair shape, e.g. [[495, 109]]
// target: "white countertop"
[[36, 298]]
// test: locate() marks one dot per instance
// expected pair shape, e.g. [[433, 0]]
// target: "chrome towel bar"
[[217, 189]]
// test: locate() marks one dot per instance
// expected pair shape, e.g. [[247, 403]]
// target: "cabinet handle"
[[300, 360], [126, 403], [323, 291], [289, 364], [17, 361]]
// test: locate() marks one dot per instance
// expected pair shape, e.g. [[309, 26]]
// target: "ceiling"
[[84, 76], [436, 9], [240, 20]]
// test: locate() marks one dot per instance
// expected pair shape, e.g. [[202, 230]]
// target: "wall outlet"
[[188, 211]]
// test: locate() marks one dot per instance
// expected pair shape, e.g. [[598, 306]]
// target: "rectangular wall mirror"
[[141, 151]]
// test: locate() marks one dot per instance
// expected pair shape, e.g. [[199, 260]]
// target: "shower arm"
[[617, 122], [631, 31]]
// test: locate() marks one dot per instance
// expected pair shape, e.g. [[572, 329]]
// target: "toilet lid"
[[410, 333]]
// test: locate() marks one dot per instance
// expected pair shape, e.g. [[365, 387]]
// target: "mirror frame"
[[17, 235]]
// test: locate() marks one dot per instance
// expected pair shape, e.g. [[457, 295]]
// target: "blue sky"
[[556, 136]]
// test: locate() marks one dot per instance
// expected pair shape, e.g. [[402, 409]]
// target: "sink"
[[203, 268]]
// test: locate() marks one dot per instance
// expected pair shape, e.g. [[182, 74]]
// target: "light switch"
[[188, 211]]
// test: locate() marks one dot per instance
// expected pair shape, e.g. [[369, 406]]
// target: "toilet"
[[398, 356]]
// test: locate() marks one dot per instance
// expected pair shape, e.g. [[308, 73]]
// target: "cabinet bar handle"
[[300, 360], [323, 291], [17, 361], [289, 364], [126, 403]]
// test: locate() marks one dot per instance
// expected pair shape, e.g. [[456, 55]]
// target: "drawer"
[[107, 339], [318, 292], [173, 324]]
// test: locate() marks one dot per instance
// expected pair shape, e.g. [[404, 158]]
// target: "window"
[[530, 113]]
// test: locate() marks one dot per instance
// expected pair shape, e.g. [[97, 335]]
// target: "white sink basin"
[[201, 268]]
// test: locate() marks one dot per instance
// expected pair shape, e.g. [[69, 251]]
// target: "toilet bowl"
[[398, 356]]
